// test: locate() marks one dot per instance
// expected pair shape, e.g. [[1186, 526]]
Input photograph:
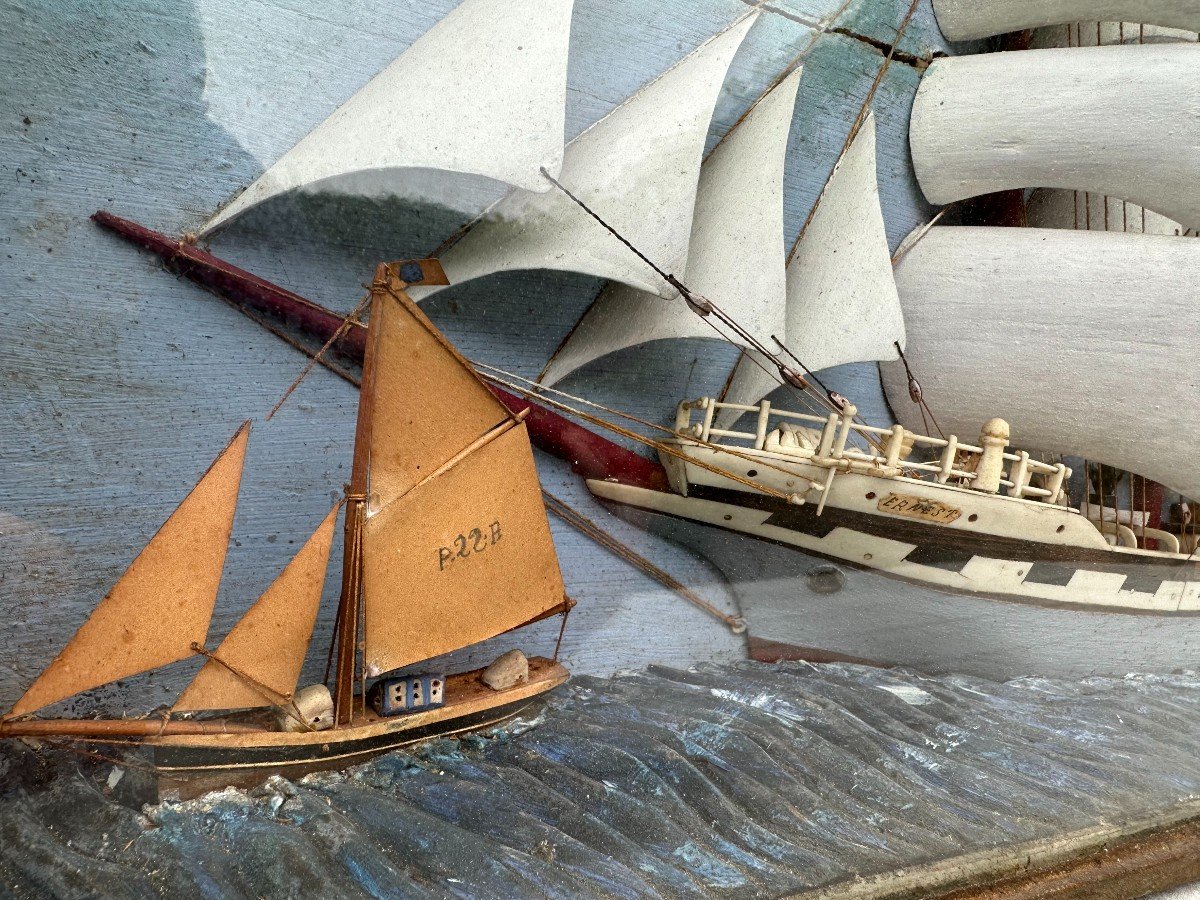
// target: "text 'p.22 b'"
[[466, 545]]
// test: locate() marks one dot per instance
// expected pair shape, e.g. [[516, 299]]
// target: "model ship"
[[446, 545], [959, 552]]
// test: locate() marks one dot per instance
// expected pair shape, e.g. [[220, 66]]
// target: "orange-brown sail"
[[459, 559], [164, 601], [259, 661], [427, 402]]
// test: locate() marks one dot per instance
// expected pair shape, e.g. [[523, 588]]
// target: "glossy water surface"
[[741, 780]]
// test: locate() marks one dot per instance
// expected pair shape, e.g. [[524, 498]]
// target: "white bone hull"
[[938, 607]]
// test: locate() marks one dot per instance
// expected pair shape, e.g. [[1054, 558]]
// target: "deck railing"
[[886, 449]]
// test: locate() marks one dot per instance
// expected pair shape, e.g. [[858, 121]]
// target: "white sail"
[[735, 255], [1119, 121], [637, 167], [965, 20], [483, 92], [842, 305], [1055, 332], [1088, 210]]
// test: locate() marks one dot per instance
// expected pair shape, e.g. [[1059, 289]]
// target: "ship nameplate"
[[918, 508]]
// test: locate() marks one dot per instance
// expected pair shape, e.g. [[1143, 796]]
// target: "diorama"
[[705, 448]]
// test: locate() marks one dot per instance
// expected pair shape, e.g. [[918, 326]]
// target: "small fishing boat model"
[[446, 545], [953, 550]]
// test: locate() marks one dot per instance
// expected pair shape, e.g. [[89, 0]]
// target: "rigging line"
[[916, 393], [858, 121], [292, 342], [699, 304], [831, 404], [537, 390], [669, 279], [282, 702], [621, 550], [667, 448], [561, 631], [350, 320], [724, 393], [800, 395], [803, 397], [917, 236]]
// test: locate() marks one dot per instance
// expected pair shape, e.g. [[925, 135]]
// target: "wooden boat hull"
[[180, 767], [799, 603]]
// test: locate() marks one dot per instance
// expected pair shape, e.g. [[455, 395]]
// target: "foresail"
[[637, 167], [1054, 332], [461, 558], [483, 92], [967, 20], [735, 254], [1112, 120], [842, 304], [164, 601], [260, 659], [428, 405]]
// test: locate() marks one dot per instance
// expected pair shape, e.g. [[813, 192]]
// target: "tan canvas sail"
[[270, 641], [463, 557], [163, 602], [428, 404]]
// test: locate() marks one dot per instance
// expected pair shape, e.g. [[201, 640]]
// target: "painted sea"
[[742, 780]]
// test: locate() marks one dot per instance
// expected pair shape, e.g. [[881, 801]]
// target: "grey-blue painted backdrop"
[[119, 383]]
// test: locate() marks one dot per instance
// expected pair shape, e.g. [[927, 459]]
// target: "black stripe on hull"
[[948, 548], [805, 520], [1191, 569], [182, 759]]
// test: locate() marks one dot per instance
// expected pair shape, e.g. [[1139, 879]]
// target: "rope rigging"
[[705, 307]]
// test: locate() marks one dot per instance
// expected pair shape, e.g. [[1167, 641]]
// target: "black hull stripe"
[[931, 540], [1075, 606], [176, 758]]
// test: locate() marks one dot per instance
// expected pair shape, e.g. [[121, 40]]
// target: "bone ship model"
[[945, 548]]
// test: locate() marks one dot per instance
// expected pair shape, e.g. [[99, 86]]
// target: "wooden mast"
[[350, 604]]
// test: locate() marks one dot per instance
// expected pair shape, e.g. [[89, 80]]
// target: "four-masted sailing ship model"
[[446, 545], [951, 554]]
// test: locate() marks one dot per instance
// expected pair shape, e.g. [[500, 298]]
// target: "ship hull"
[[187, 766], [800, 603]]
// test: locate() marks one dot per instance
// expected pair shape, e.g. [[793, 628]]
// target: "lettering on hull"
[[918, 508]]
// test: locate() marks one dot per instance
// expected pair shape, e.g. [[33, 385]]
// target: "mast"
[[350, 603]]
